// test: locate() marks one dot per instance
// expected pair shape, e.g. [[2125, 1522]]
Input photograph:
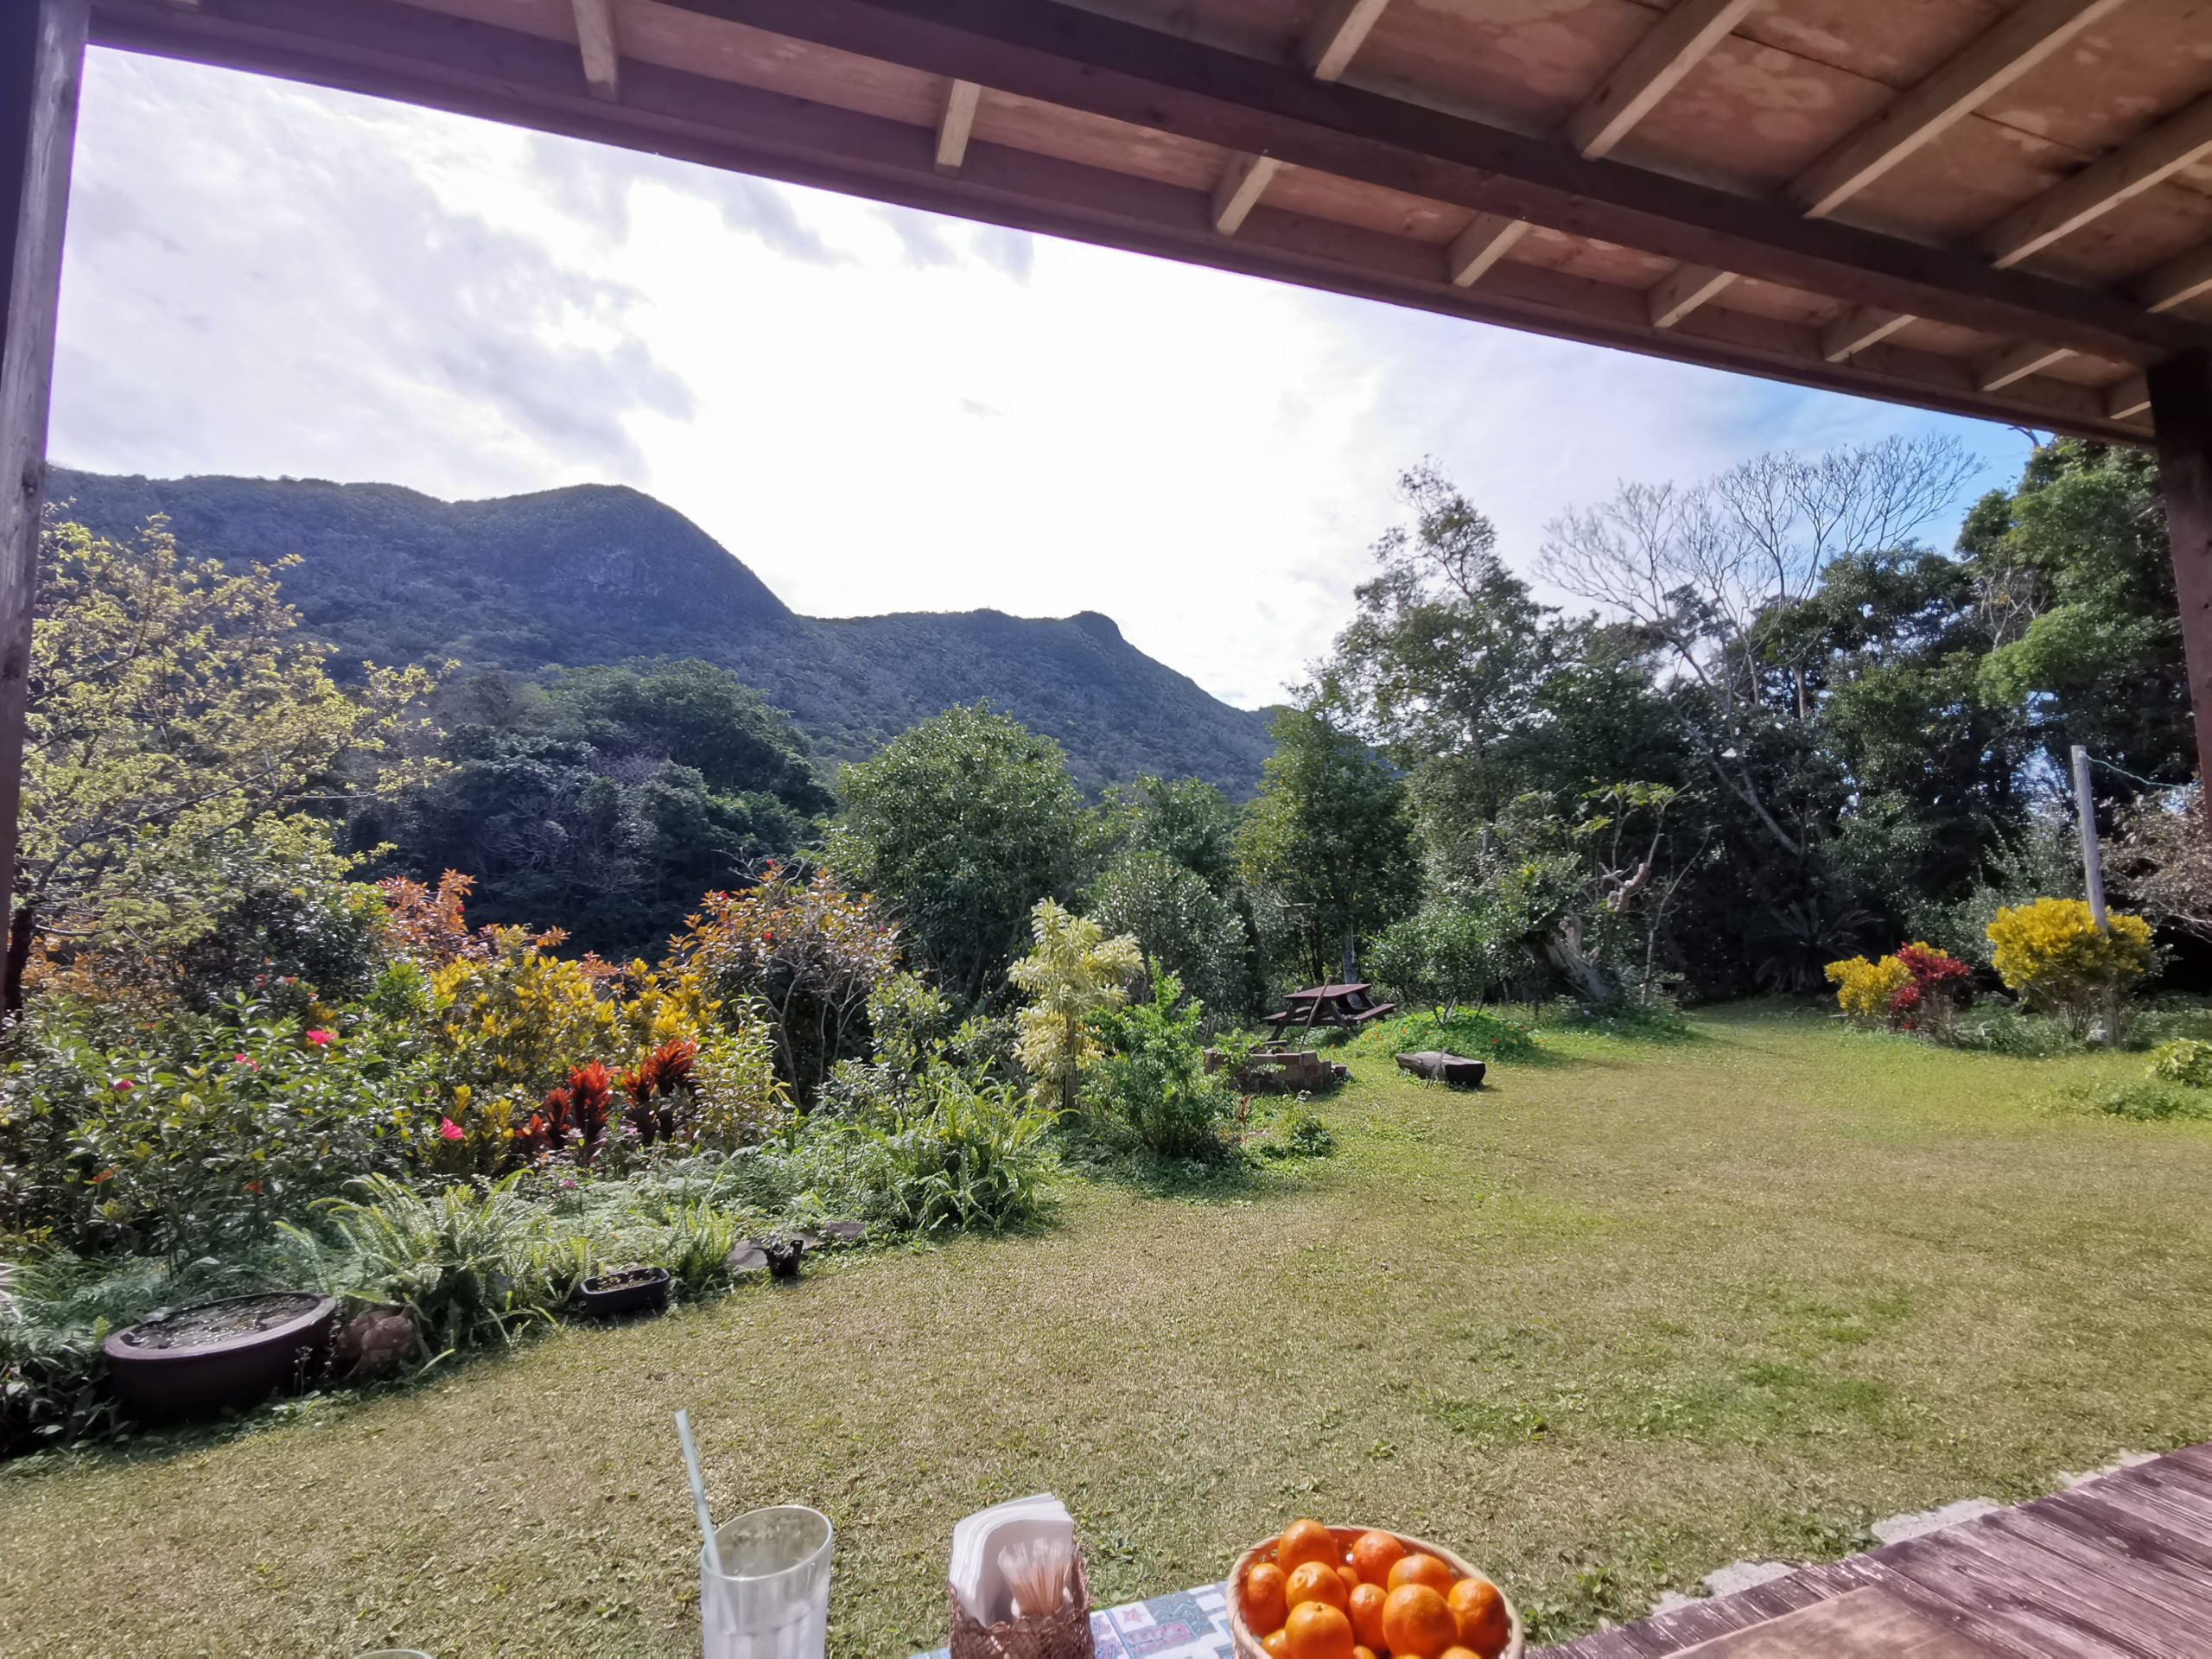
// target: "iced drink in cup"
[[770, 1600]]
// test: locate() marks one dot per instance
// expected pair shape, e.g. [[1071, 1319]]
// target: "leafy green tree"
[[1327, 840], [609, 798], [2076, 583], [1181, 925], [961, 825], [172, 707], [1075, 973]]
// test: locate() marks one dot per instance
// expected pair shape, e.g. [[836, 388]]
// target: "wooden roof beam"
[[953, 127], [596, 43], [1339, 32], [2001, 371], [1682, 290], [1240, 189], [1105, 66], [2160, 154], [2128, 400], [1967, 79], [1482, 245], [1858, 329], [2177, 282], [1670, 48]]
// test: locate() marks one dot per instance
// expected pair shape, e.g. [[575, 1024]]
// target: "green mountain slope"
[[599, 574]]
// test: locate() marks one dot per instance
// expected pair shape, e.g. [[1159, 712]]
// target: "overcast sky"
[[877, 410]]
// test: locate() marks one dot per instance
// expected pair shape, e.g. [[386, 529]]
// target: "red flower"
[[318, 1037], [123, 1086], [254, 1187], [246, 1060], [450, 1130], [105, 1174]]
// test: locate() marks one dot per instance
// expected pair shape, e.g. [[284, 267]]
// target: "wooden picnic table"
[[1345, 1005]]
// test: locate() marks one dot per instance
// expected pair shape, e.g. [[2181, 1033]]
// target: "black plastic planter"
[[221, 1355], [634, 1290]]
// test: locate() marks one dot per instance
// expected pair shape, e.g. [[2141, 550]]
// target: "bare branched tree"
[[1699, 568]]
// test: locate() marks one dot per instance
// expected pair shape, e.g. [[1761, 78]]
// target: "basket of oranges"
[[1360, 1592]]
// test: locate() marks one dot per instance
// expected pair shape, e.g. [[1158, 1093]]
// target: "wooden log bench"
[[1456, 1069]]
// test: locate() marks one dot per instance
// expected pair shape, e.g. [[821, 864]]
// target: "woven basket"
[[1062, 1635], [1247, 1639]]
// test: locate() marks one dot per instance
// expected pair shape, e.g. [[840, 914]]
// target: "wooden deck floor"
[[2118, 1568]]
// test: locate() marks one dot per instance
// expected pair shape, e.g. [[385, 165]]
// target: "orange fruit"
[[1460, 1653], [1417, 1623], [1349, 1575], [1277, 1643], [1318, 1631], [1374, 1554], [1366, 1613], [1362, 1651], [1303, 1542], [1422, 1569], [1479, 1611], [1265, 1605], [1315, 1581]]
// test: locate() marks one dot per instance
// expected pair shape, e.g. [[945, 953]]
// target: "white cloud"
[[876, 409]]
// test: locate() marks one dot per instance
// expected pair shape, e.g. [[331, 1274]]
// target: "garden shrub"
[[950, 1154], [468, 1262], [2054, 956], [1151, 1083], [203, 1130], [2149, 1101], [2186, 1061], [1864, 989], [1472, 1032]]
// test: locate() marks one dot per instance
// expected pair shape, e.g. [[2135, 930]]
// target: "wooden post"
[[41, 67], [2093, 864], [2181, 405]]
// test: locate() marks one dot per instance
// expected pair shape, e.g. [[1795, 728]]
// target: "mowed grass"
[[1633, 1312]]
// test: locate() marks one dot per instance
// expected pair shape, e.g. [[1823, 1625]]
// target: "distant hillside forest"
[[596, 574]]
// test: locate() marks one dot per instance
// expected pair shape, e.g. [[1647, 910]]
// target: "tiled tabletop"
[[1189, 1625]]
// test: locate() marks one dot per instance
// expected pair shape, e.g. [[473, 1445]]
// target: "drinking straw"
[[698, 1489]]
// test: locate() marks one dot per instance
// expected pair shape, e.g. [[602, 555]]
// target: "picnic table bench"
[[1348, 1007]]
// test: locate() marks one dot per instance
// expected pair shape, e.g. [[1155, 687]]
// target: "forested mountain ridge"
[[605, 573]]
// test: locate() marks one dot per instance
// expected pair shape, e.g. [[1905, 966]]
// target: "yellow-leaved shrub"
[[1864, 989], [2052, 954]]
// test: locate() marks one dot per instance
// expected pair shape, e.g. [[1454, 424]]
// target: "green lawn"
[[1633, 1312]]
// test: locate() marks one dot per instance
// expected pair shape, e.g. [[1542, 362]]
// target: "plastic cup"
[[772, 1598]]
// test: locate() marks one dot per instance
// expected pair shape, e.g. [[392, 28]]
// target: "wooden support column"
[[2181, 405], [41, 67]]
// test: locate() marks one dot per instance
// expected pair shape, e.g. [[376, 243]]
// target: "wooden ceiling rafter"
[[962, 99], [598, 46], [1242, 183], [1338, 33]]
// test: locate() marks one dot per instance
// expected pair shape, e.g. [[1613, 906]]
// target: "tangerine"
[[1422, 1568], [1303, 1542], [1315, 1581], [1349, 1575], [1460, 1653], [1316, 1631], [1374, 1554], [1366, 1614], [1265, 1605], [1479, 1611], [1277, 1643], [1362, 1651], [1417, 1623]]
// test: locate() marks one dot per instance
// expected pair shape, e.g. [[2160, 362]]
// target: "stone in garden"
[[375, 1342], [1437, 1066]]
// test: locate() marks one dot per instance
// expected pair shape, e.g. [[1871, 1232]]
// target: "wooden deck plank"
[[1869, 1622], [2117, 1567]]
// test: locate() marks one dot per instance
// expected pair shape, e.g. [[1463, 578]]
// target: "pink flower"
[[318, 1037], [254, 1187], [123, 1086], [246, 1060], [571, 1181], [449, 1129]]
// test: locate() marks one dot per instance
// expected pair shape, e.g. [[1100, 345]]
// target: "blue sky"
[[877, 410]]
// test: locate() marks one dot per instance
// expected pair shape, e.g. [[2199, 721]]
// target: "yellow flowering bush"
[[515, 1022], [2052, 954], [1866, 990]]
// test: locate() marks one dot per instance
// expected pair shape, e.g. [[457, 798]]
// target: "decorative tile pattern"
[[1189, 1625]]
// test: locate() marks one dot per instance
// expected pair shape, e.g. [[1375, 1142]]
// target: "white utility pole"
[[2085, 812]]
